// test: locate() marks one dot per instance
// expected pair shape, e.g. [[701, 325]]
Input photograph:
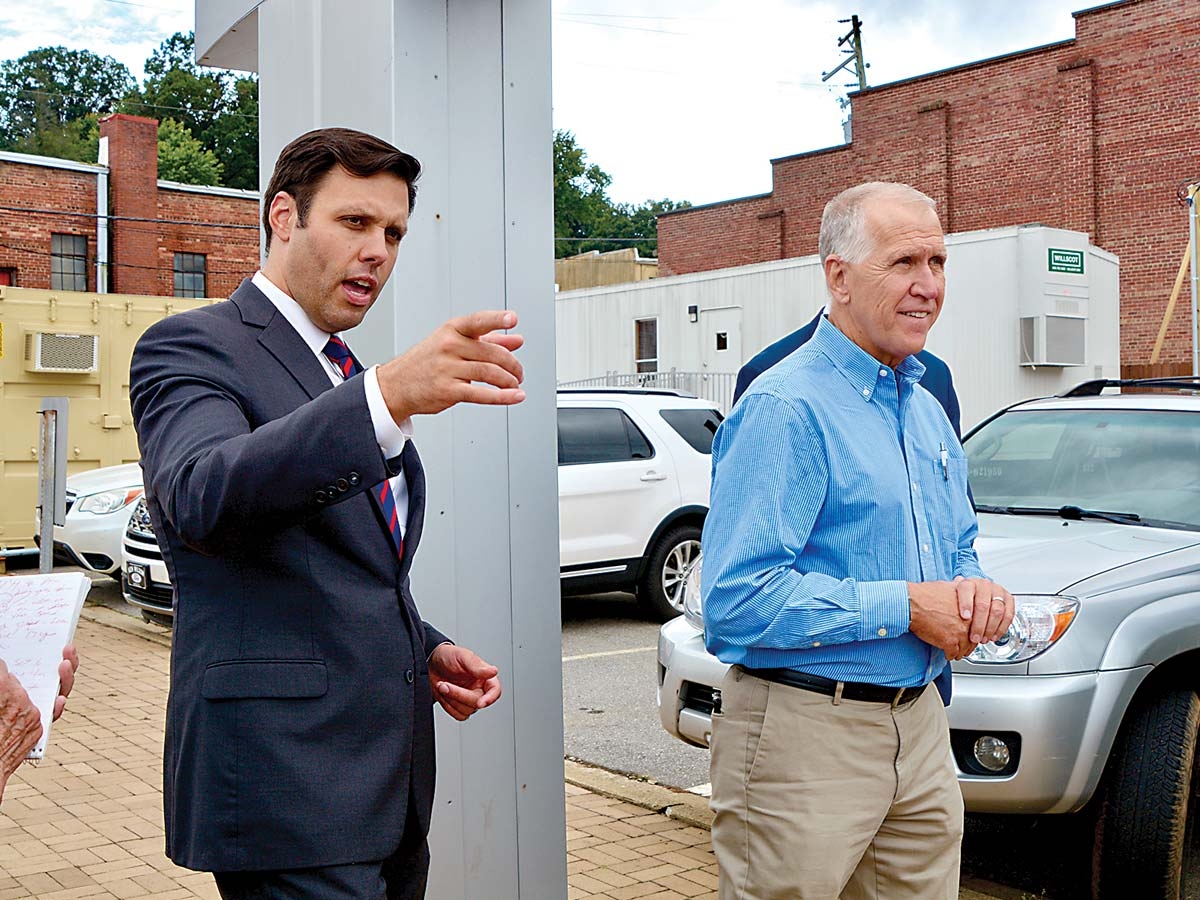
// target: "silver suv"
[[1089, 512]]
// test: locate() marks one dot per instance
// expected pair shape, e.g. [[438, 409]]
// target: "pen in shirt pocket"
[[944, 455]]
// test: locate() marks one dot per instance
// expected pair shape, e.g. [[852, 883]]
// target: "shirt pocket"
[[946, 508]]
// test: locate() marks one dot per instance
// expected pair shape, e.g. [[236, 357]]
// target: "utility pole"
[[853, 55]]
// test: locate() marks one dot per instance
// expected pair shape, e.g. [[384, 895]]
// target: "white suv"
[[633, 477]]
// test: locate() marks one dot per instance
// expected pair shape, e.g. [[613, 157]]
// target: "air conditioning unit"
[[61, 353], [1053, 340]]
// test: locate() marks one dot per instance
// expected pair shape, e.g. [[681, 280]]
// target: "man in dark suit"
[[936, 379], [288, 499]]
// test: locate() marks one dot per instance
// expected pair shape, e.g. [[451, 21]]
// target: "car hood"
[[110, 478], [1046, 554]]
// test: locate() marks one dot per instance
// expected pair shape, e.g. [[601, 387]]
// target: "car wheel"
[[1146, 835], [661, 587]]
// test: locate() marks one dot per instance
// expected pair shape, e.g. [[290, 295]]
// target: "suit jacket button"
[[332, 490], [343, 484], [355, 479], [408, 676], [321, 497]]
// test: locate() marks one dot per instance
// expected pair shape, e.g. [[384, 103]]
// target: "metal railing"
[[716, 387]]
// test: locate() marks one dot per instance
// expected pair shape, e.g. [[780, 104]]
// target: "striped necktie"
[[339, 354]]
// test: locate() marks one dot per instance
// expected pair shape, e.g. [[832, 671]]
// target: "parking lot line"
[[601, 653]]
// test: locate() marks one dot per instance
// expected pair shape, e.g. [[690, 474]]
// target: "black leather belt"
[[839, 690]]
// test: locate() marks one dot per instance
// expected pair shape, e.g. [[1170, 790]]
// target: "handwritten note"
[[37, 618]]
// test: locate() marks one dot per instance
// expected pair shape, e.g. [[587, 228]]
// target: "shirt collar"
[[858, 367], [293, 312]]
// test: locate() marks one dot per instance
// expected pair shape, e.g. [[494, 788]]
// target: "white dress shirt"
[[388, 434]]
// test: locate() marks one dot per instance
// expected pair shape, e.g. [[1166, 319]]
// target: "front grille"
[[142, 551], [157, 597]]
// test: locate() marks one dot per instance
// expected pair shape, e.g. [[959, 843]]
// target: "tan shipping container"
[[74, 345]]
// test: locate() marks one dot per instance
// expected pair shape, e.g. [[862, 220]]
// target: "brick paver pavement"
[[87, 821]]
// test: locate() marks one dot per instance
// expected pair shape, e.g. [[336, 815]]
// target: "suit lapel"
[[280, 339]]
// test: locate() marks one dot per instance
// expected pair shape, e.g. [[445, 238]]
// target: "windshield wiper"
[[1072, 513]]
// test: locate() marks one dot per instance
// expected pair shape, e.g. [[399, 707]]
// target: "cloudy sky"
[[690, 101]]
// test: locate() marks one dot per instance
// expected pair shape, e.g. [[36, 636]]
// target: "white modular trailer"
[[1029, 311]]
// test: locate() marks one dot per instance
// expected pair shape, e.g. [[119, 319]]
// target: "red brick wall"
[[148, 224], [231, 251], [35, 202], [1093, 134]]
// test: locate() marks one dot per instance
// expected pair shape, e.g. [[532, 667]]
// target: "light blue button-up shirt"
[[836, 480]]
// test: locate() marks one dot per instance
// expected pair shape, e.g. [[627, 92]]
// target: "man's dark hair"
[[309, 158]]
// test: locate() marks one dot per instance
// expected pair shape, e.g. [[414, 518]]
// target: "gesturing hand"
[[462, 682], [456, 364]]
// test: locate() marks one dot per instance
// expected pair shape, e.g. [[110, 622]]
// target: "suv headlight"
[[692, 608], [1040, 620], [107, 501]]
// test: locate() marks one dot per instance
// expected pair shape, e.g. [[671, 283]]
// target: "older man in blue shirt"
[[839, 575]]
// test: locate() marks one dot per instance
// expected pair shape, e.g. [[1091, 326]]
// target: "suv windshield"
[[1143, 464]]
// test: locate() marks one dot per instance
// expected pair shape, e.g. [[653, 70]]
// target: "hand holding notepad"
[[37, 620]]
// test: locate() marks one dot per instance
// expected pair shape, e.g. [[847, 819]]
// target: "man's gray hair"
[[843, 224]]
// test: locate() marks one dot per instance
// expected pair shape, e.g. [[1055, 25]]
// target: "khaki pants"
[[816, 801]]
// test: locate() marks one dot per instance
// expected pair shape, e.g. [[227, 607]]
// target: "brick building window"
[[646, 344], [68, 262], [190, 275], [8, 277]]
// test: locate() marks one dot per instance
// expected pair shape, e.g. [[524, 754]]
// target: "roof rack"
[[1093, 388]]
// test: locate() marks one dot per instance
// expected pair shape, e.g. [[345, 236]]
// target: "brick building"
[[1096, 134], [116, 227]]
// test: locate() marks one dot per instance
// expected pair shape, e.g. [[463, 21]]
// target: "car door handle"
[[654, 476]]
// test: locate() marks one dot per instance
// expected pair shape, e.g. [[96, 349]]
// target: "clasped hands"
[[956, 616]]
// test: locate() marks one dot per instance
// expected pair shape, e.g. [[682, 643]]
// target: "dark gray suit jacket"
[[300, 721]]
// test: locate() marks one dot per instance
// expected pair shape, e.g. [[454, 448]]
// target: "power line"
[[79, 98], [83, 215]]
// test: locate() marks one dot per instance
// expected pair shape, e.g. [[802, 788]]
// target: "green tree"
[[47, 94], [234, 136], [637, 224], [581, 205], [586, 219], [219, 109], [183, 158]]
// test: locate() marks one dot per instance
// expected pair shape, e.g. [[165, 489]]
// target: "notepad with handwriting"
[[38, 614]]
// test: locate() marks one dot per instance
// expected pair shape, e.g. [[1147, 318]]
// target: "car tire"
[[661, 589], [1146, 833]]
